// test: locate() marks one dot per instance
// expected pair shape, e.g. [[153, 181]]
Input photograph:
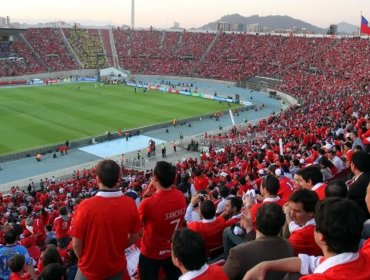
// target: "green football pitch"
[[45, 115]]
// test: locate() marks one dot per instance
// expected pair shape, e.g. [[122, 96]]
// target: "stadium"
[[228, 110]]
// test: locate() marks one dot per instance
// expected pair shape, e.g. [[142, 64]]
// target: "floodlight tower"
[[132, 14]]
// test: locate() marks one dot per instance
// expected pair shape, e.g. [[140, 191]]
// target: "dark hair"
[[108, 172], [10, 236], [54, 271], [360, 160], [271, 184], [16, 263], [51, 255], [325, 162], [312, 172], [308, 199], [236, 202], [224, 191], [242, 181], [53, 241], [189, 247], [165, 173], [63, 210], [340, 221], [207, 209], [49, 227], [270, 219], [336, 188]]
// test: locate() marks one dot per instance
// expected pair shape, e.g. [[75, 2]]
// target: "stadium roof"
[[11, 31]]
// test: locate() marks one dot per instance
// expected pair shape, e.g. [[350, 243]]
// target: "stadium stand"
[[88, 46], [329, 76], [48, 44]]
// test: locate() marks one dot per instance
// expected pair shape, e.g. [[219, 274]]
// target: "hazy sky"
[[189, 13]]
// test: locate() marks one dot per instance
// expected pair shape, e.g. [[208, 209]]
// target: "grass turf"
[[44, 115]]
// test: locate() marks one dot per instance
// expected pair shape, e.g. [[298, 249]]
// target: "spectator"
[[357, 186], [300, 212], [189, 255], [100, 255], [161, 214], [338, 233], [53, 271], [269, 190], [210, 227], [232, 210], [61, 227], [312, 179], [16, 265], [225, 194], [336, 161], [336, 188], [49, 233], [10, 249], [267, 246]]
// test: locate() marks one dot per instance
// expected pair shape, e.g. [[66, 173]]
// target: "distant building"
[[4, 21], [224, 26], [254, 28], [176, 24], [238, 27]]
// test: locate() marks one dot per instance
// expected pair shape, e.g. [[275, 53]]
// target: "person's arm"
[[77, 245], [133, 238], [194, 201], [31, 271], [285, 265]]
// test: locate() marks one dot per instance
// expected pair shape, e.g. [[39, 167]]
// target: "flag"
[[365, 28]]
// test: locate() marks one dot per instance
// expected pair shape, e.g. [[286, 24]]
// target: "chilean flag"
[[365, 28]]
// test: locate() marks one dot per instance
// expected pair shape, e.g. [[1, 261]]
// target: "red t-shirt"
[[212, 232], [104, 223], [286, 187], [303, 241], [320, 191], [61, 227], [357, 269], [161, 214], [16, 276], [213, 272], [255, 207]]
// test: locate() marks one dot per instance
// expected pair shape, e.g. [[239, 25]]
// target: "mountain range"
[[277, 22]]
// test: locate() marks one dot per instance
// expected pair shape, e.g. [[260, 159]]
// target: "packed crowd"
[[308, 197], [88, 47], [48, 44]]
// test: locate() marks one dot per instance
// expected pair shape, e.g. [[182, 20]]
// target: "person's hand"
[[248, 201], [259, 197], [256, 273], [286, 208], [195, 199]]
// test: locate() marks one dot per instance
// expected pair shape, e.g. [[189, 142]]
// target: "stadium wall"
[[47, 75]]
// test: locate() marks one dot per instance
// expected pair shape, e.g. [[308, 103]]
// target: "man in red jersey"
[[103, 226], [338, 233], [189, 255], [300, 213], [210, 227], [61, 227], [312, 179], [161, 214]]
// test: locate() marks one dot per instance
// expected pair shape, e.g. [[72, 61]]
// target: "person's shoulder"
[[216, 272]]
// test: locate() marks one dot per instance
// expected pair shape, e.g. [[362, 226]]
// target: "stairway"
[[69, 48], [204, 56]]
